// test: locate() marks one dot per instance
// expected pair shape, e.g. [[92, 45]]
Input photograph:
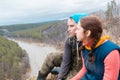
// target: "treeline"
[[35, 33], [1, 32], [44, 32], [113, 10], [18, 27], [112, 24], [14, 61], [111, 20]]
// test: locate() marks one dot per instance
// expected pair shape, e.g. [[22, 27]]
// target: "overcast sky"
[[27, 11]]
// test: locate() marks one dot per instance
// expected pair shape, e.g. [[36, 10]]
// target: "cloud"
[[15, 11]]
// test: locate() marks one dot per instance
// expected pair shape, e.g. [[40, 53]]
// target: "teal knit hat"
[[79, 16]]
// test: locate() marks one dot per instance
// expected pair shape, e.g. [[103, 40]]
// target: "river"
[[36, 53]]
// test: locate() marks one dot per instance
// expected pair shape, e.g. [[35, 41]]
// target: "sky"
[[32, 11]]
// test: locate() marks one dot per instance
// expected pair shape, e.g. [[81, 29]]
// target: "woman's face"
[[72, 26], [80, 33]]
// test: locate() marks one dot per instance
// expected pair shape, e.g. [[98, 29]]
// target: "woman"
[[101, 58]]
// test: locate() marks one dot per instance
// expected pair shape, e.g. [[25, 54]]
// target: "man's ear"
[[88, 33]]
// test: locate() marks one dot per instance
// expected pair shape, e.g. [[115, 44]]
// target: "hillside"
[[14, 61], [18, 27], [53, 32], [112, 28]]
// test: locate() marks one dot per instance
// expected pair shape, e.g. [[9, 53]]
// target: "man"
[[71, 62]]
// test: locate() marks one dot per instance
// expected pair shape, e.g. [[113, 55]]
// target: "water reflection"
[[36, 54]]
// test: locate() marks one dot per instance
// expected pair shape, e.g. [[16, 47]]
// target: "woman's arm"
[[112, 65], [66, 61]]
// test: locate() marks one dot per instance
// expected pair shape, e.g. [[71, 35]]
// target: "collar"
[[101, 41]]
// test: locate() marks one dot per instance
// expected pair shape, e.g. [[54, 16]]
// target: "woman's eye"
[[71, 25]]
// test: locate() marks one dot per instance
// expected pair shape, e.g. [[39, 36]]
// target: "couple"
[[93, 59]]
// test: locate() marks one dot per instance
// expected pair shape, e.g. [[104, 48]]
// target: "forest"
[[14, 61]]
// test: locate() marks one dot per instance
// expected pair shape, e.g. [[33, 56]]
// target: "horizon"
[[33, 11]]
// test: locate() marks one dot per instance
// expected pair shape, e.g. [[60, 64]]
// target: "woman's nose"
[[76, 30], [68, 29]]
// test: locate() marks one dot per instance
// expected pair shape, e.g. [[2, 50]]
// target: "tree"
[[112, 10]]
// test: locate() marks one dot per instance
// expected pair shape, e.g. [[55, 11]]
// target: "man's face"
[[72, 26]]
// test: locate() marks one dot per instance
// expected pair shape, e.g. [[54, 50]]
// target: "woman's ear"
[[88, 33]]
